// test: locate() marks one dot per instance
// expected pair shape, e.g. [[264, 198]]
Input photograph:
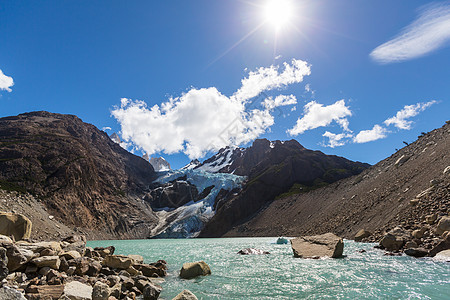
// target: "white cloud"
[[270, 78], [376, 133], [400, 119], [336, 140], [429, 32], [281, 100], [203, 120], [106, 128], [6, 82], [316, 115]]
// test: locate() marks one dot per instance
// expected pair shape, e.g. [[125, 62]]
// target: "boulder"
[[443, 225], [105, 251], [45, 291], [395, 239], [17, 257], [5, 239], [443, 255], [72, 254], [118, 262], [401, 160], [192, 270], [441, 246], [430, 219], [151, 291], [41, 246], [15, 225], [249, 251], [362, 234], [138, 259], [100, 291], [185, 295], [47, 261], [325, 245], [151, 270], [8, 293], [418, 234], [75, 290], [416, 252]]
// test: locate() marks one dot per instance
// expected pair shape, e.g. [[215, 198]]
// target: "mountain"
[[159, 164], [191, 165], [81, 176], [410, 188], [273, 169]]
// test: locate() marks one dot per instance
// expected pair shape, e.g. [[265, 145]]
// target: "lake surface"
[[279, 275]]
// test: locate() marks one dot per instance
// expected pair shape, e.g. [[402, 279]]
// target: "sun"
[[278, 12]]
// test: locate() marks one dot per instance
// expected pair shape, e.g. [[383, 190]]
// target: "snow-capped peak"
[[191, 165], [159, 164], [115, 138]]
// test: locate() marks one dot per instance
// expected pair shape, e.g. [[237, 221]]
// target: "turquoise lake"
[[279, 275]]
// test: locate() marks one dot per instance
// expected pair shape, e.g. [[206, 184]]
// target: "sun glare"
[[278, 12]]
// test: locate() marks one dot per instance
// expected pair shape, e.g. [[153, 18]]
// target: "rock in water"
[[16, 225], [443, 255], [317, 246], [191, 270], [248, 251], [416, 252], [395, 239], [185, 295], [362, 234]]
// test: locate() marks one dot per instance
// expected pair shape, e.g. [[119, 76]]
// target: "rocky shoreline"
[[68, 269]]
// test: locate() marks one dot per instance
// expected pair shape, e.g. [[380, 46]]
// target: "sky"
[[182, 79]]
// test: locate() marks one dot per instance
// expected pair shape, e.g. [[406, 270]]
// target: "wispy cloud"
[[429, 32], [317, 115], [203, 120], [400, 119], [6, 82], [376, 133]]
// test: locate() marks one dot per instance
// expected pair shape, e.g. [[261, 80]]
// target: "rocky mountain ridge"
[[83, 178], [406, 189]]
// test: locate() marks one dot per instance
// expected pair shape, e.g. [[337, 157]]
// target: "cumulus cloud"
[[106, 128], [264, 79], [203, 120], [6, 82], [376, 133], [400, 119], [429, 32], [336, 140], [317, 115], [281, 100]]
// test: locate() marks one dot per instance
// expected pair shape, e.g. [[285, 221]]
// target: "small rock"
[[252, 251], [100, 291], [47, 261], [362, 234], [447, 170], [151, 291], [401, 160]]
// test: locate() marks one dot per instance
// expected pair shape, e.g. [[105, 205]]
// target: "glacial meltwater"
[[278, 275]]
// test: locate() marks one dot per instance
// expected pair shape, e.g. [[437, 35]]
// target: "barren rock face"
[[82, 176], [317, 246]]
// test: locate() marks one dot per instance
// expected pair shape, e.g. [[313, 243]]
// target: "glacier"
[[188, 220]]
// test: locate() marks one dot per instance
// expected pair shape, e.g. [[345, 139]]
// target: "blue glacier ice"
[[188, 220]]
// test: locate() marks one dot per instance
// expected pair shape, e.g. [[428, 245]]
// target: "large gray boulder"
[[191, 270], [317, 246], [75, 290], [16, 225], [443, 255]]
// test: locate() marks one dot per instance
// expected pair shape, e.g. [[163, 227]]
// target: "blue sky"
[[351, 67]]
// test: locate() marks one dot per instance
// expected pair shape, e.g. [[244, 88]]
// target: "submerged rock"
[[249, 251], [317, 246], [191, 270]]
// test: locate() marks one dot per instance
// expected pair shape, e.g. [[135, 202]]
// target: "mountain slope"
[[83, 178], [273, 168], [376, 200]]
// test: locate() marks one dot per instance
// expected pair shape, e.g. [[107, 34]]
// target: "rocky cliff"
[[410, 188], [83, 178]]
